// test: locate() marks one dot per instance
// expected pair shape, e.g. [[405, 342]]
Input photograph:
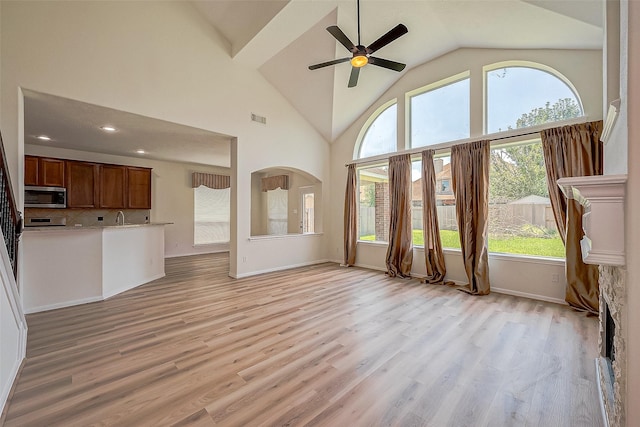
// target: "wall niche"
[[285, 201]]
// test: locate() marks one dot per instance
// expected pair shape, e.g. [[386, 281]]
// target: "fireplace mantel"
[[603, 221]]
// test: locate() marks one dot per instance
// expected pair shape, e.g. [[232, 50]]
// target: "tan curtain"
[[470, 180], [217, 182], [570, 151], [400, 250], [433, 254], [274, 182], [350, 217]]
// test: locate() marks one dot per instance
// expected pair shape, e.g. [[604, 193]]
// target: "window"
[[211, 215], [308, 214], [277, 219], [520, 216], [373, 216], [445, 203], [441, 114], [381, 136], [519, 97]]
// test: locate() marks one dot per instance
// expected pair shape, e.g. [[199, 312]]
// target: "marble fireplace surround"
[[603, 244]]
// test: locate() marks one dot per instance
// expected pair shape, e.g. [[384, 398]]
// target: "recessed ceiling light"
[[140, 151], [108, 128], [44, 137]]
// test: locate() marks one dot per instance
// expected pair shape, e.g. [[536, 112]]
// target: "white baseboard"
[[13, 374], [213, 251], [62, 305], [274, 269], [528, 295]]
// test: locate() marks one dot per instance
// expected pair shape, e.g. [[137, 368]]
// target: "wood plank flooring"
[[316, 346]]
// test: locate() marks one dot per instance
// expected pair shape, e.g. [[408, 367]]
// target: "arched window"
[[381, 134], [520, 95]]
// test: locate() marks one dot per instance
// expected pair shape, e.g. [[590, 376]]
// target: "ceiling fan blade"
[[385, 63], [326, 64], [353, 79], [342, 38], [394, 33]]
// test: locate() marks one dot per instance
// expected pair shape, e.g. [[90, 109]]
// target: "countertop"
[[92, 227]]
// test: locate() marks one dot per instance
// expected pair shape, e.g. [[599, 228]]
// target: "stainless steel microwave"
[[45, 197]]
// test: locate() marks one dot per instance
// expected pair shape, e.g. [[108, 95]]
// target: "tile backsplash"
[[90, 217]]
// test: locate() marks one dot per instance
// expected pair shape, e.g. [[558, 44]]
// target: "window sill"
[[492, 255], [283, 236], [208, 245]]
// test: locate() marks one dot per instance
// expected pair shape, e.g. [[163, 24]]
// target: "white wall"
[[162, 60], [171, 198], [629, 71], [582, 68]]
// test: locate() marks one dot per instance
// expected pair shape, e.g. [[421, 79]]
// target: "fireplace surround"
[[612, 370], [603, 244]]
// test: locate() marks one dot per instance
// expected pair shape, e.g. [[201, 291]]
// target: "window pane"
[[519, 97], [211, 215], [382, 135], [440, 115], [416, 202], [520, 216], [373, 220], [446, 203], [308, 212]]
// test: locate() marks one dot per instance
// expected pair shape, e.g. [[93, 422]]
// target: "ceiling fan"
[[361, 55]]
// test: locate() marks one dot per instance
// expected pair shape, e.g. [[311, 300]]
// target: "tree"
[[563, 109], [519, 171]]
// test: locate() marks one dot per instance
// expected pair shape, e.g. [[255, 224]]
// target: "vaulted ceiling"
[[282, 38]]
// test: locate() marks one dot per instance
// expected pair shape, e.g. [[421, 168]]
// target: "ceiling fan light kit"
[[361, 55]]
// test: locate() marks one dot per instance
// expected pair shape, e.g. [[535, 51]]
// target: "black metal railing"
[[10, 217]]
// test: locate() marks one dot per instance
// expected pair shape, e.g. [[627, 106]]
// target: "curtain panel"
[[470, 180], [216, 182], [350, 216], [273, 182], [400, 250], [434, 257], [570, 151]]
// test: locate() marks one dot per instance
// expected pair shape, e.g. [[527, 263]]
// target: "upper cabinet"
[[82, 184], [113, 186], [92, 185], [139, 188], [42, 171]]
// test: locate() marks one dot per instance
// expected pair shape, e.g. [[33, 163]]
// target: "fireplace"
[[611, 363], [609, 333]]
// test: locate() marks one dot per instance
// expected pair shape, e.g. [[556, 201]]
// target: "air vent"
[[258, 119]]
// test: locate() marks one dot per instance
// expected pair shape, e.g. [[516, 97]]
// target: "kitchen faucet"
[[118, 215]]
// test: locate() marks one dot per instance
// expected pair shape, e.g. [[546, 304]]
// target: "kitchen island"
[[66, 266]]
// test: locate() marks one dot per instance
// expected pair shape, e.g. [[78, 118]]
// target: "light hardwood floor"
[[318, 346]]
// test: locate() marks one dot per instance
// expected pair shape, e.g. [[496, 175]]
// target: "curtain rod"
[[498, 136]]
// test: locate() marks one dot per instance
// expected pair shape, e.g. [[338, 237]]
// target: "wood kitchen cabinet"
[[82, 184], [138, 188], [42, 171], [113, 186]]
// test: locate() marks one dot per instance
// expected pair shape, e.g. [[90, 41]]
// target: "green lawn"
[[537, 246]]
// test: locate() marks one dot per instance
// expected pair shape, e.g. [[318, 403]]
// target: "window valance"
[[278, 181], [217, 182]]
